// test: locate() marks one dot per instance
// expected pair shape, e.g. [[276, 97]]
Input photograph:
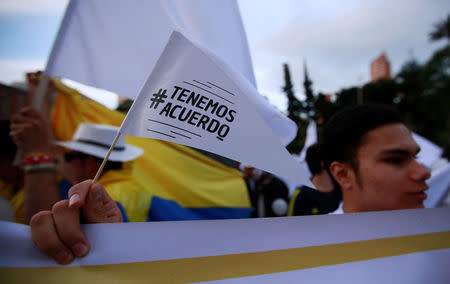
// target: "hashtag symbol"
[[158, 98]]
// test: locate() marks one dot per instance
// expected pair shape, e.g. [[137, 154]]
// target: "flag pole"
[[100, 170]]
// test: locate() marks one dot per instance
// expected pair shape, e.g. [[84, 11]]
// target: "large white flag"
[[114, 44], [194, 98]]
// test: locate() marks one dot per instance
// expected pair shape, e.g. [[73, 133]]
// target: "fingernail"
[[63, 257], [74, 199], [79, 249]]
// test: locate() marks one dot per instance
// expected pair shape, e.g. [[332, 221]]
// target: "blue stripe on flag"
[[122, 210], [64, 187], [169, 210]]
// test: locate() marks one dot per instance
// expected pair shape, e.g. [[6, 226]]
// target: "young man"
[[370, 154]]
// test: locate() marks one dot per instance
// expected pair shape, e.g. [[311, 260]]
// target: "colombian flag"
[[184, 184]]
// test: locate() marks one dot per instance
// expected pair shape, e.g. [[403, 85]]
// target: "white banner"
[[195, 99], [403, 246], [113, 45]]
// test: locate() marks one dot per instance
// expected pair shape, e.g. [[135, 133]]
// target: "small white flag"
[[194, 98]]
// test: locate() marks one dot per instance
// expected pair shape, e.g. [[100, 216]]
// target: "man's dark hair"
[[314, 157], [344, 132]]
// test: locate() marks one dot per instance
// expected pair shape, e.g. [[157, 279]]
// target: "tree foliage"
[[309, 103], [426, 102], [294, 107], [312, 107], [421, 93], [441, 30], [295, 110]]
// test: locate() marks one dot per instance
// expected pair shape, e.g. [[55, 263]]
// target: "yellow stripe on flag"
[[231, 266]]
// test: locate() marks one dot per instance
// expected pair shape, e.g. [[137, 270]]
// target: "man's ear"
[[343, 174]]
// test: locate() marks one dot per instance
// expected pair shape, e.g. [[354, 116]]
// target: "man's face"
[[388, 175], [73, 167]]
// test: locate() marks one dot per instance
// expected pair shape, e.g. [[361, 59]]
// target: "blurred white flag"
[[114, 44], [194, 98], [311, 138], [429, 152]]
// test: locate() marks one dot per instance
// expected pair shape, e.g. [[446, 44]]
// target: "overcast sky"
[[338, 39]]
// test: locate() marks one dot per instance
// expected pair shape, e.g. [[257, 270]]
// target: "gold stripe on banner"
[[230, 266]]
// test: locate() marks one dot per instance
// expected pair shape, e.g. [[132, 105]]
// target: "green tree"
[[421, 93], [294, 105], [294, 110], [427, 97], [347, 97], [441, 30], [324, 108], [379, 92], [309, 103]]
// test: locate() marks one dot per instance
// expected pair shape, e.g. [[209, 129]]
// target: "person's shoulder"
[[305, 188], [339, 210], [302, 192]]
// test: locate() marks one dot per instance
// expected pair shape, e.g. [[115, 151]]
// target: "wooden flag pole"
[[100, 170]]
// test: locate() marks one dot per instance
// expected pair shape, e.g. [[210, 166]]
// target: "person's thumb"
[[99, 207]]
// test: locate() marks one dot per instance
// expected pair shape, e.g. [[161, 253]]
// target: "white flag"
[[194, 98], [114, 44], [429, 152], [311, 138]]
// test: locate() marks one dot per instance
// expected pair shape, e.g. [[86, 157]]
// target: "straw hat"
[[96, 139]]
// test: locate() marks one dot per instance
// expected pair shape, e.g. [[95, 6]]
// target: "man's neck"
[[350, 204], [349, 209]]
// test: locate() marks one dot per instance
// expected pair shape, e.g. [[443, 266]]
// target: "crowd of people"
[[365, 162]]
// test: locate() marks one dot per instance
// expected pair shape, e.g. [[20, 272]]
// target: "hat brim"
[[129, 153]]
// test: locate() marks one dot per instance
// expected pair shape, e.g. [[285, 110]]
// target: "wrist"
[[33, 149], [38, 161]]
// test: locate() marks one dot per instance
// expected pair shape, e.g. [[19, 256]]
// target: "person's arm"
[[57, 233], [32, 135]]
